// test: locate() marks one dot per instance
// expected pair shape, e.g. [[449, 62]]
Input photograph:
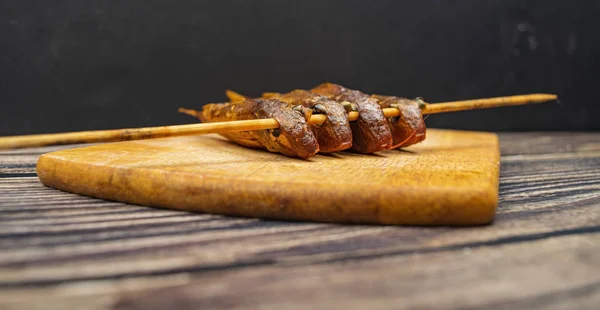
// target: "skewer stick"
[[13, 142], [454, 106]]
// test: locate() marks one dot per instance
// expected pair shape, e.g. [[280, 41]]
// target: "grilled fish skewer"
[[404, 130], [25, 141], [371, 132]]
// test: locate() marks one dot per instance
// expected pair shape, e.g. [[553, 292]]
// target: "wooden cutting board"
[[450, 179]]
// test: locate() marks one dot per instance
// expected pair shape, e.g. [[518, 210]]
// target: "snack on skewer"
[[371, 132], [400, 112], [334, 134], [408, 128], [293, 137]]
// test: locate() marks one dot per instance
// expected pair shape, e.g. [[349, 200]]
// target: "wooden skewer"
[[454, 106], [13, 142]]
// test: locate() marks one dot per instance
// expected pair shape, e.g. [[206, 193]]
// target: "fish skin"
[[408, 128], [293, 137], [334, 134], [370, 132]]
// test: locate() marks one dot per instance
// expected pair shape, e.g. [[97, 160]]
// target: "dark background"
[[77, 65]]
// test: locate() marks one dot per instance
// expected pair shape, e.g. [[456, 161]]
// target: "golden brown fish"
[[408, 128], [334, 134], [293, 138], [370, 133]]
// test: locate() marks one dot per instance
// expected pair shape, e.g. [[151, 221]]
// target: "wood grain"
[[71, 252]]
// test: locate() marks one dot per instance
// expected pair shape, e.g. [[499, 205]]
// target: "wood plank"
[[541, 251], [93, 245], [453, 276], [548, 142], [39, 150], [549, 274]]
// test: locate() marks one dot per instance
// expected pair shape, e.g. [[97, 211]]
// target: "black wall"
[[77, 65]]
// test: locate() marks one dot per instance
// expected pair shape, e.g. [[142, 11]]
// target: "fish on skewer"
[[334, 134], [246, 122], [372, 132], [293, 137], [408, 128]]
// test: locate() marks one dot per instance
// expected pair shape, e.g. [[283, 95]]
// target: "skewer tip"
[[539, 98]]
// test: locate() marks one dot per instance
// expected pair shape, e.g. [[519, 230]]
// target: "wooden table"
[[542, 251]]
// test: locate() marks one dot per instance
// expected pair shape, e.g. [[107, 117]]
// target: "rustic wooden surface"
[[63, 251], [449, 179]]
